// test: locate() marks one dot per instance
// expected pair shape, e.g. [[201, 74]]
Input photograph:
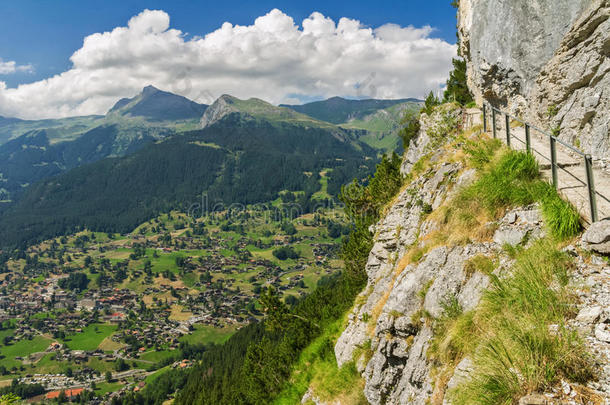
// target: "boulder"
[[602, 332], [589, 314], [597, 237]]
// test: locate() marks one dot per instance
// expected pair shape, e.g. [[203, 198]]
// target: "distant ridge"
[[338, 110], [7, 121]]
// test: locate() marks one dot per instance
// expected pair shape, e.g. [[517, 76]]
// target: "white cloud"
[[273, 59], [12, 67]]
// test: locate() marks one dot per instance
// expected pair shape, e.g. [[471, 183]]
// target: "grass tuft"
[[479, 263], [516, 337], [508, 179], [560, 216]]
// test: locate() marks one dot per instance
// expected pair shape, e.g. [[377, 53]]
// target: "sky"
[[64, 58]]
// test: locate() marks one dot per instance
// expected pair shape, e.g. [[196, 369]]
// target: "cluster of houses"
[[213, 297]]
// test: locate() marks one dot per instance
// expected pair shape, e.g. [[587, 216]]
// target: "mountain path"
[[570, 166]]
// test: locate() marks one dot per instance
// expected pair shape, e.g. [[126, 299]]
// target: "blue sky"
[[45, 33], [397, 48]]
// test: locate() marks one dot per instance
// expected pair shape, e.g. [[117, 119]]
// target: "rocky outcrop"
[[223, 106], [546, 60], [412, 279], [506, 43], [434, 131], [592, 285], [572, 91]]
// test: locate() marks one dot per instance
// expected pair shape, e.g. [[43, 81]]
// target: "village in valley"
[[101, 313]]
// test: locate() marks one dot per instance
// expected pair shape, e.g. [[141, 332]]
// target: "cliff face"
[[546, 60]]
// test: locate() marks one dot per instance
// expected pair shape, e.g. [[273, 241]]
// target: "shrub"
[[410, 130]]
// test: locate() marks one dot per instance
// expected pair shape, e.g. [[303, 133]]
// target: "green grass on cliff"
[[317, 369], [511, 179], [517, 337]]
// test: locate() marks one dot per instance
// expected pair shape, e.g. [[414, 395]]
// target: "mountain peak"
[[149, 90], [158, 105], [223, 106], [227, 98], [258, 109]]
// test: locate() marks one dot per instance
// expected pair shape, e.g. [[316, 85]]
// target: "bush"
[[288, 228], [410, 130]]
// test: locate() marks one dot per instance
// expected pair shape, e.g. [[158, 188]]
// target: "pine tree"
[[457, 89]]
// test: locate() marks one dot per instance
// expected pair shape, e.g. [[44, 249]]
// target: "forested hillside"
[[34, 156], [36, 150], [234, 161]]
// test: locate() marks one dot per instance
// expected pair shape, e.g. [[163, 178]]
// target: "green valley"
[[158, 298]]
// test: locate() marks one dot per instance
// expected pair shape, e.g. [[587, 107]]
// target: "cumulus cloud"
[[274, 59], [12, 67]]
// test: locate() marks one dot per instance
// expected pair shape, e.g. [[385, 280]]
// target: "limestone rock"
[[220, 108], [517, 225], [589, 314], [546, 60], [575, 83], [427, 138], [602, 332], [597, 237], [507, 43], [460, 375], [511, 236]]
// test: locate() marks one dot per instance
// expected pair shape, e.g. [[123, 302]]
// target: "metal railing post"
[[591, 188], [528, 143], [507, 130], [484, 118], [493, 120], [554, 160]]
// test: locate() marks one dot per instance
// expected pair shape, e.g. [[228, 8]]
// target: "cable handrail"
[[553, 140], [571, 147]]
